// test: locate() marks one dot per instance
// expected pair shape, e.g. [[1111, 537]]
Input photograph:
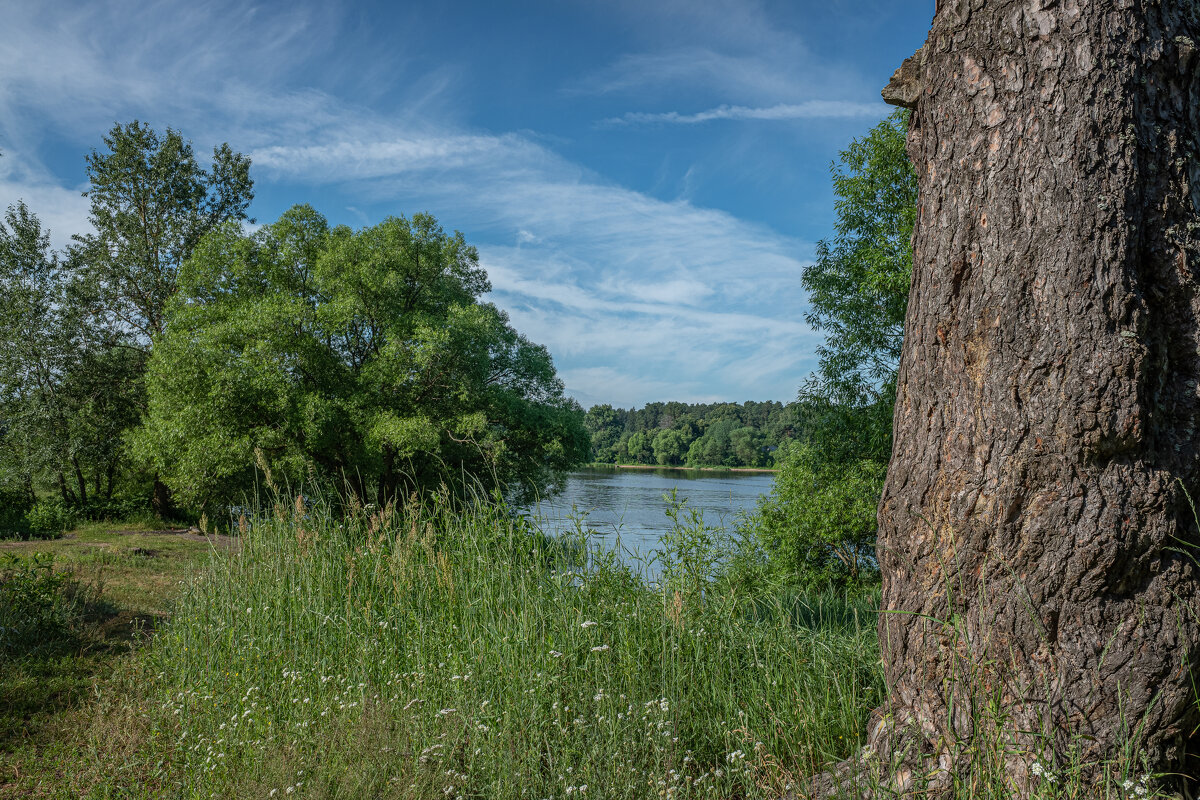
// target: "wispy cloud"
[[811, 109], [755, 76], [637, 297]]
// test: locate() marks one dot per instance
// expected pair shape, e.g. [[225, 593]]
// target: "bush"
[[22, 518], [49, 519], [817, 527], [113, 508], [14, 502], [39, 608]]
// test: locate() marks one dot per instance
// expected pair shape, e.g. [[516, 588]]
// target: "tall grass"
[[431, 651]]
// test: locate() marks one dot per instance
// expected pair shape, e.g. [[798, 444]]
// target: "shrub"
[[39, 607], [14, 502], [49, 519], [817, 527], [114, 508], [22, 518]]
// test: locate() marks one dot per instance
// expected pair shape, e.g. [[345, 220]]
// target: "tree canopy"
[[66, 392], [858, 285], [363, 358], [151, 202]]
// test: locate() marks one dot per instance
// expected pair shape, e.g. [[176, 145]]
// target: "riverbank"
[[417, 652], [603, 465]]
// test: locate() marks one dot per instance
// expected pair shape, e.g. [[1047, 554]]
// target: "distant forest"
[[694, 434]]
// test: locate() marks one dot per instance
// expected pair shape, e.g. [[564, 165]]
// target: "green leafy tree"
[[151, 202], [746, 447], [818, 524], [819, 521], [858, 285], [858, 289], [360, 357], [62, 404], [670, 447], [605, 425], [34, 350], [714, 448], [640, 448]]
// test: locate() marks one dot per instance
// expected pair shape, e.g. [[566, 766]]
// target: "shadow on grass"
[[826, 611], [56, 636]]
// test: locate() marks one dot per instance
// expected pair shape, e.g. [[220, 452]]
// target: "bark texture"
[[1038, 550]]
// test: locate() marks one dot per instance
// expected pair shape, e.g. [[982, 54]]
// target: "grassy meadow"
[[426, 652], [429, 651]]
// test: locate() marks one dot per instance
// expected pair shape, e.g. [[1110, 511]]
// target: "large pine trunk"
[[1041, 588]]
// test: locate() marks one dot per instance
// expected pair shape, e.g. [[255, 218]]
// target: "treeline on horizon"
[[750, 434]]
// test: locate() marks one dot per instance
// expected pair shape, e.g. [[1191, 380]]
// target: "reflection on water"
[[628, 504]]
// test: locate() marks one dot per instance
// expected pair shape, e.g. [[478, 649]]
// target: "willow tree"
[[1041, 588]]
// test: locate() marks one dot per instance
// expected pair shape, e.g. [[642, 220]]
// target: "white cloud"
[[83, 65], [811, 109], [638, 298], [596, 385], [347, 159], [63, 211], [757, 77]]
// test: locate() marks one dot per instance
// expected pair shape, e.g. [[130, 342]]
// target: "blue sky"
[[645, 181]]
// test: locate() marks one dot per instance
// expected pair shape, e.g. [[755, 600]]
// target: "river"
[[624, 508]]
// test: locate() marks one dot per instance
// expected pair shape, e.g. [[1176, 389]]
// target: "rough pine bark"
[[1041, 589]]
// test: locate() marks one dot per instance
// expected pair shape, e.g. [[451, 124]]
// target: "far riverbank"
[[603, 465]]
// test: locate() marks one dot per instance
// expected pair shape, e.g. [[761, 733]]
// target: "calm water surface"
[[625, 508]]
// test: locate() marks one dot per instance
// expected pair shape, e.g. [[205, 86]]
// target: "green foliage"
[[692, 551], [858, 285], [39, 607], [818, 525], [23, 518], [670, 446], [360, 358], [604, 424], [65, 391], [698, 435], [151, 202], [15, 500], [49, 519], [639, 448], [74, 331]]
